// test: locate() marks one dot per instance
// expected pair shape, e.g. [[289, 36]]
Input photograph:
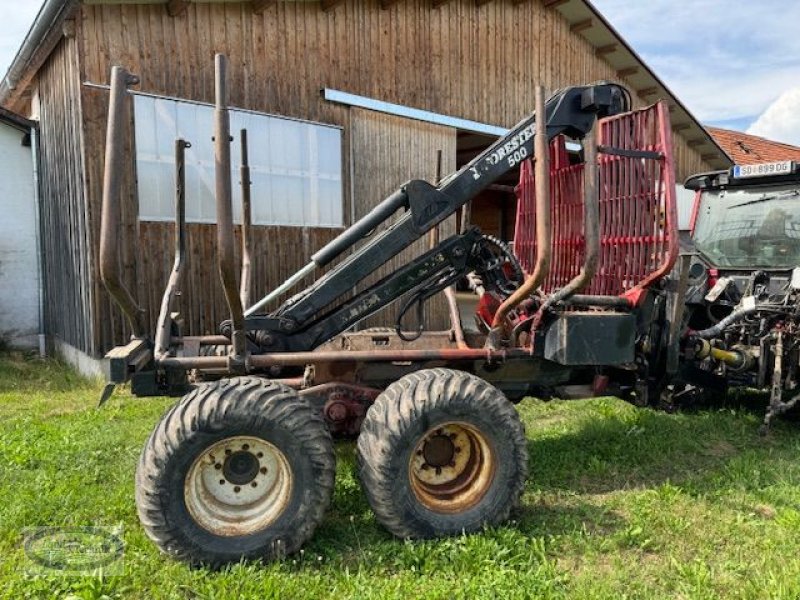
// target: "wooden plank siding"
[[67, 238], [387, 152], [475, 62]]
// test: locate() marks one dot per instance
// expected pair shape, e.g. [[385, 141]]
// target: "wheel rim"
[[451, 468], [238, 486]]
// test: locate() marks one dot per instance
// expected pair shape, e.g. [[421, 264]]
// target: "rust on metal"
[[247, 223], [225, 238], [451, 467], [262, 361], [238, 486], [164, 327], [543, 234], [118, 116], [591, 230]]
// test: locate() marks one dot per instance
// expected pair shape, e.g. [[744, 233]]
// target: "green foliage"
[[621, 502]]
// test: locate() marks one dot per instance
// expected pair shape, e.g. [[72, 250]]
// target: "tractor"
[[242, 466], [743, 287]]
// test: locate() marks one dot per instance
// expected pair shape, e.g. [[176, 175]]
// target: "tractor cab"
[[746, 232]]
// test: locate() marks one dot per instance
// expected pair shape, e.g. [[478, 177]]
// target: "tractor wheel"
[[441, 452], [239, 469]]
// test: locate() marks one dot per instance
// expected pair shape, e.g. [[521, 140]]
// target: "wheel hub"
[[439, 451], [240, 467]]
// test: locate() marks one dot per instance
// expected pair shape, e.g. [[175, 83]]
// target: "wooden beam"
[[69, 28], [260, 6], [579, 26], [681, 126], [388, 3], [607, 49], [649, 91], [709, 157], [695, 142], [551, 3], [176, 8], [330, 4], [481, 2], [438, 3], [627, 72]]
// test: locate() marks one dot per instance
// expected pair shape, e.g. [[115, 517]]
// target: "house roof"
[[583, 18], [16, 121], [744, 148]]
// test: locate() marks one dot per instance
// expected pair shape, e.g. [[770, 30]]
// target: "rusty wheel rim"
[[451, 468], [238, 486]]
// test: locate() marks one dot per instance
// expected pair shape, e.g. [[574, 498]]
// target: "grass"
[[621, 503]]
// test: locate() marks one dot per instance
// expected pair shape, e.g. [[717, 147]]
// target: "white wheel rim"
[[238, 486]]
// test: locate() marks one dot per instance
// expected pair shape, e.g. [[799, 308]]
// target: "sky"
[[733, 63]]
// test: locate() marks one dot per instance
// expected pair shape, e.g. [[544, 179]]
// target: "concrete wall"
[[19, 283]]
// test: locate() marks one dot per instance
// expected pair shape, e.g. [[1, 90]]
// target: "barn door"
[[387, 151]]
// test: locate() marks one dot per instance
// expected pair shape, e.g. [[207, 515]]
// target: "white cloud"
[[725, 59], [781, 120], [16, 22]]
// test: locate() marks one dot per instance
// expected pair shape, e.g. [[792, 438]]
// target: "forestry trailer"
[[243, 465]]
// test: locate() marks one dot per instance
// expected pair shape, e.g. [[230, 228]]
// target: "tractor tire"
[[442, 452], [240, 468]]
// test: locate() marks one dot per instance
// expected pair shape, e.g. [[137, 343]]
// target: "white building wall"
[[19, 283]]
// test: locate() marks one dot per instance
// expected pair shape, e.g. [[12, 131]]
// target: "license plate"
[[783, 167]]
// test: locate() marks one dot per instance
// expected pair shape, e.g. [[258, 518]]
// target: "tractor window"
[[295, 166], [750, 228]]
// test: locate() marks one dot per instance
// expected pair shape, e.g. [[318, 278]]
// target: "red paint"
[[638, 210]]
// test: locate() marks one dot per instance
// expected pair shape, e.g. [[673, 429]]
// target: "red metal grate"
[[638, 214]]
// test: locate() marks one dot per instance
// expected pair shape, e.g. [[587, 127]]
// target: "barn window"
[[295, 166]]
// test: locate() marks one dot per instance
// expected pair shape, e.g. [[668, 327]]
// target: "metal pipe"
[[247, 223], [164, 328], [543, 237], [110, 216], [592, 300], [263, 361], [225, 238], [40, 254], [591, 230]]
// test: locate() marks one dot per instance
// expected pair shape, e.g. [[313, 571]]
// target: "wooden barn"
[[343, 102]]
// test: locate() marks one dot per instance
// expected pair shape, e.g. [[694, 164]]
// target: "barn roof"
[[584, 20], [745, 149]]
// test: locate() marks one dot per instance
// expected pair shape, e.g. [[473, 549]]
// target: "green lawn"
[[621, 502]]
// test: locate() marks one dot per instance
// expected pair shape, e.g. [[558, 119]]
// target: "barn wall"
[[387, 152], [66, 235], [459, 59], [19, 274]]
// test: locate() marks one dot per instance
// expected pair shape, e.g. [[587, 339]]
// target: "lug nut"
[[237, 489], [222, 482], [254, 484], [263, 470], [227, 450], [245, 446], [218, 466], [260, 455]]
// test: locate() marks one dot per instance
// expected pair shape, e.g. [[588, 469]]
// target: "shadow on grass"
[[26, 372], [598, 451], [642, 448]]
